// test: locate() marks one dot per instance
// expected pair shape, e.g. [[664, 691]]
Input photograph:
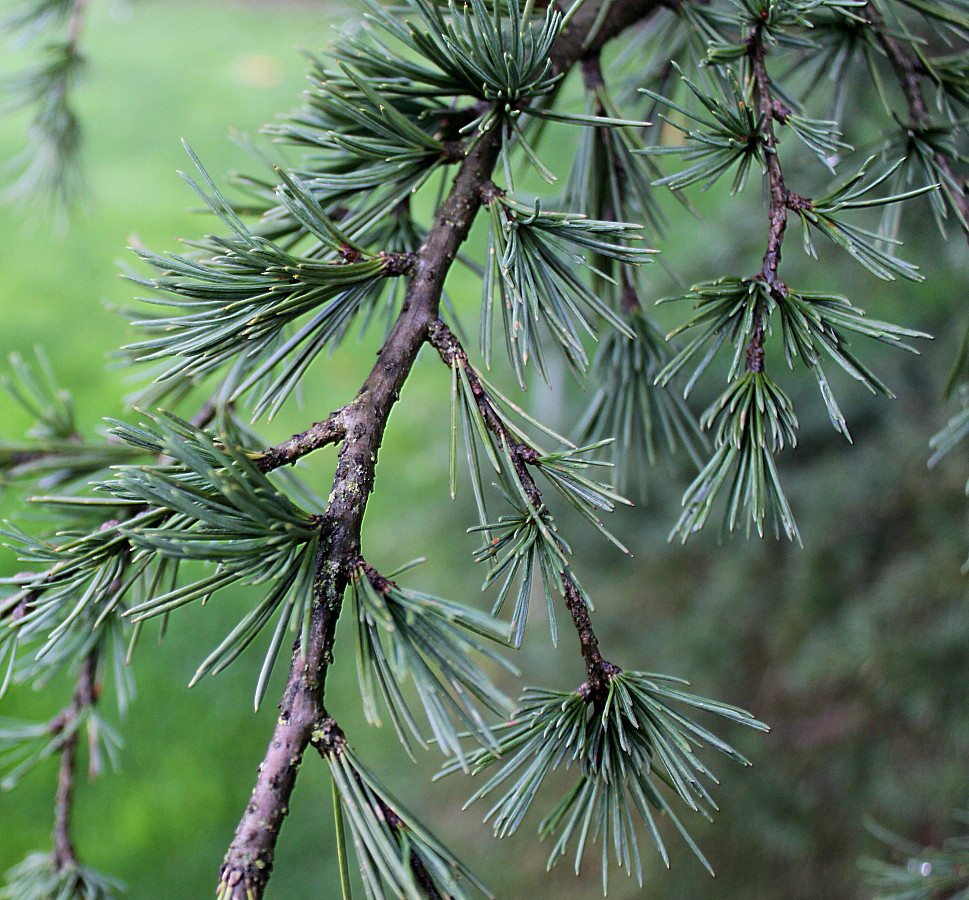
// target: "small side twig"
[[780, 198], [778, 191], [598, 669], [85, 696], [329, 431], [909, 71]]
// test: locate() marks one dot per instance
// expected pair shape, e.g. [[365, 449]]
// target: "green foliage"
[[728, 136], [532, 280], [358, 141], [488, 422], [645, 418], [952, 435], [214, 505], [754, 417], [71, 608], [491, 54], [398, 856], [821, 136], [524, 542], [610, 178], [37, 878], [29, 17], [564, 471], [821, 215], [25, 745], [410, 636], [49, 166], [54, 452], [68, 610], [922, 873], [754, 421], [245, 294], [921, 152], [347, 118], [624, 744], [327, 242]]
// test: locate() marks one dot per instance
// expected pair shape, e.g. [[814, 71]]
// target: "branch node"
[[454, 151], [327, 737], [396, 264], [490, 192]]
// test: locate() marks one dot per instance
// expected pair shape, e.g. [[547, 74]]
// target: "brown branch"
[[85, 696], [598, 670], [570, 46], [248, 863], [207, 412], [769, 110], [777, 213], [909, 71], [629, 300], [329, 431], [14, 459], [76, 23], [379, 582], [593, 80]]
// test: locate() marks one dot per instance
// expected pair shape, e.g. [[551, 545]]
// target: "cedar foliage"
[[455, 102]]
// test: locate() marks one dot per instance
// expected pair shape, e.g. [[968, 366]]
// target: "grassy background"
[[853, 648]]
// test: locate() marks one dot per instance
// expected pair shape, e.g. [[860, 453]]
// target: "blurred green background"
[[855, 648]]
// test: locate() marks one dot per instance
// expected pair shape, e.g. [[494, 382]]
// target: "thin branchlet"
[[781, 199], [777, 213], [909, 71], [452, 353], [357, 429], [85, 696], [321, 434]]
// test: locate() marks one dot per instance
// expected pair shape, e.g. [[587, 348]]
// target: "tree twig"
[[770, 110], [908, 70], [76, 23], [85, 696], [598, 670], [329, 431]]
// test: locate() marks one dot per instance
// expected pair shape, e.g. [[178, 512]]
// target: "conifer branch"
[[415, 92], [51, 163], [909, 71], [249, 861]]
